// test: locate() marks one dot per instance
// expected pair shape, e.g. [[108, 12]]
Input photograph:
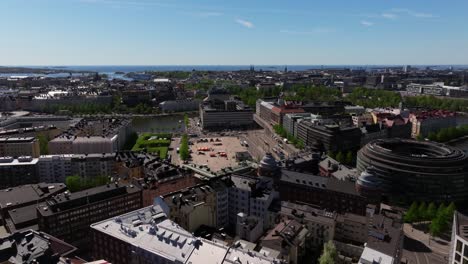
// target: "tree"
[[186, 121], [76, 183], [349, 158], [340, 157], [184, 149], [329, 253], [331, 154], [422, 211], [43, 144], [442, 209], [440, 222], [73, 183], [300, 144], [450, 211], [436, 226], [432, 136], [443, 135], [410, 215], [431, 211]]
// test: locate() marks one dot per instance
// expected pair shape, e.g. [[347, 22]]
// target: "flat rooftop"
[[137, 229], [149, 230], [20, 161], [307, 212], [319, 182], [67, 200], [385, 235], [30, 193], [17, 140]]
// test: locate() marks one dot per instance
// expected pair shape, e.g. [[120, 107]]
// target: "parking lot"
[[216, 152]]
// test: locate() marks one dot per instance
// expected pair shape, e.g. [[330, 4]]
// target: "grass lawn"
[[153, 143]]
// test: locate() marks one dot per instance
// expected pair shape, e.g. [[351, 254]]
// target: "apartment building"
[[19, 146], [69, 215], [459, 244], [14, 172]]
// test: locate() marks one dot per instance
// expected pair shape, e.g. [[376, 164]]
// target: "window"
[[465, 252], [457, 257], [459, 246]]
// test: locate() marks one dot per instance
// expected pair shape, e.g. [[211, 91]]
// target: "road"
[[419, 248]]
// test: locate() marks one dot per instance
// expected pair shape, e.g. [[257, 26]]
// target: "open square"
[[216, 152]]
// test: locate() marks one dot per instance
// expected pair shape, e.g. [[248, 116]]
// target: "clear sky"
[[233, 32]]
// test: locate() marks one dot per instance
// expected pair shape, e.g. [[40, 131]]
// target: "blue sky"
[[240, 32]]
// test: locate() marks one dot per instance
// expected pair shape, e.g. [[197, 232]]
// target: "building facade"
[[326, 192], [20, 171], [459, 244], [15, 147], [69, 215]]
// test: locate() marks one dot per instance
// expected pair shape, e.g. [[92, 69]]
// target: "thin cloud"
[[367, 23], [209, 14], [389, 16], [245, 23], [202, 14], [413, 13], [307, 32], [127, 3]]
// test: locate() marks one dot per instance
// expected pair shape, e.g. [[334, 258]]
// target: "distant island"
[[19, 70]]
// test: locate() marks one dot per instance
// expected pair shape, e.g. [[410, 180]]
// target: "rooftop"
[[144, 229], [23, 217], [307, 212], [385, 235], [371, 256], [285, 234], [189, 197], [27, 194], [314, 181], [67, 200], [17, 139], [149, 230], [93, 128], [31, 245], [22, 160]]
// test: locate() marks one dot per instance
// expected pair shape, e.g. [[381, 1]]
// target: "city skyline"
[[122, 32]]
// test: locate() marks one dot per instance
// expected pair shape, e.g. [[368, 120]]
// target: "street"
[[418, 248]]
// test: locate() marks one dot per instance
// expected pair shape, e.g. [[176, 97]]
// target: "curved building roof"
[[268, 163]]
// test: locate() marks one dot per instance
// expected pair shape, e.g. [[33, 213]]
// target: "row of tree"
[[433, 102], [186, 120], [348, 158], [440, 216], [43, 143], [90, 108], [448, 133], [329, 254], [281, 131], [312, 92], [184, 151], [170, 74], [374, 98], [360, 96], [76, 183]]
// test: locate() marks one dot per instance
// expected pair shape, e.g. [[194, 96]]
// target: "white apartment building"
[[459, 244]]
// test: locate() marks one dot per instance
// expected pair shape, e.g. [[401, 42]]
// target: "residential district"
[[332, 165]]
